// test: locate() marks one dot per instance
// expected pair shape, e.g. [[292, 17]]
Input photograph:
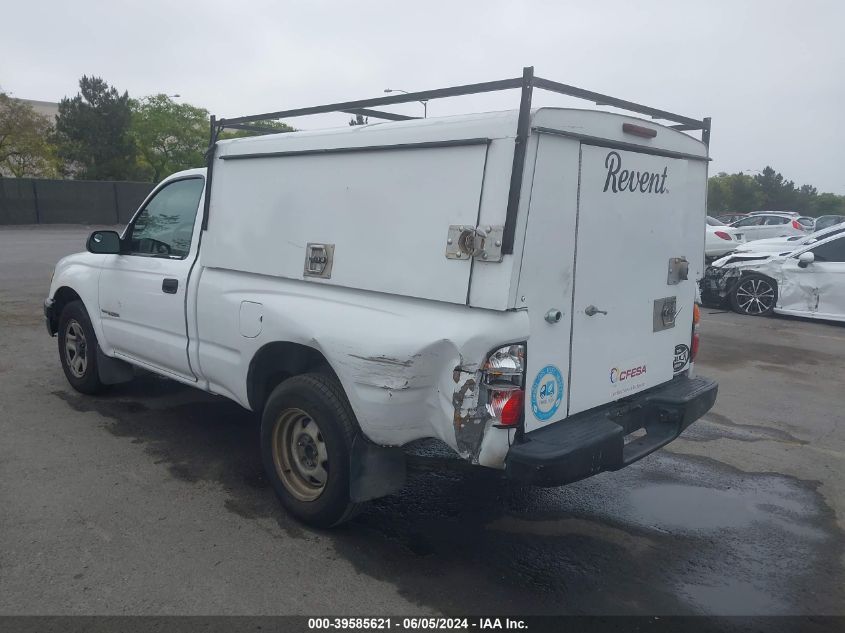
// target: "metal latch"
[[318, 260], [665, 312], [483, 243], [678, 270]]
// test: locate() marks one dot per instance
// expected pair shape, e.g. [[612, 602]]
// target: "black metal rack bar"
[[605, 100], [379, 114], [525, 84]]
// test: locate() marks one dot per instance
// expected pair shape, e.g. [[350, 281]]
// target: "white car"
[[720, 239], [808, 282], [761, 225], [786, 244]]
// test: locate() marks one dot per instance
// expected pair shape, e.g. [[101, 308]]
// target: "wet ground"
[[151, 499]]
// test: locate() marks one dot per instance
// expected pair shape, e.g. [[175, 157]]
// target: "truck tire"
[[78, 349], [754, 295], [307, 429]]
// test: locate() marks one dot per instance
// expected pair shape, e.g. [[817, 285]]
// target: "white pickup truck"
[[519, 285]]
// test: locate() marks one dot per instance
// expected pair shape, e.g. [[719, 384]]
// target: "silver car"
[[765, 224]]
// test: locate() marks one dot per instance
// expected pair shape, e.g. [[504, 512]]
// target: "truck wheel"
[[307, 430], [78, 349], [754, 295]]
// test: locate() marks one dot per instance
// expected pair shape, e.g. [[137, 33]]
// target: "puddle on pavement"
[[714, 426], [733, 598], [699, 509], [671, 534]]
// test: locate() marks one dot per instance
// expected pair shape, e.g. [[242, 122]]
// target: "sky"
[[770, 73]]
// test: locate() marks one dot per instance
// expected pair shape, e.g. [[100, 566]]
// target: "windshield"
[[714, 222]]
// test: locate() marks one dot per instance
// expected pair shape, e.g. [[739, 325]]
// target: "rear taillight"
[[696, 317], [503, 385], [723, 235], [797, 225]]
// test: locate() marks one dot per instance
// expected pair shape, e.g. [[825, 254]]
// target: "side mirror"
[[104, 243], [805, 259]]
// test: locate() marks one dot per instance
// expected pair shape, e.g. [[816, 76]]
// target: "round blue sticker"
[[546, 392]]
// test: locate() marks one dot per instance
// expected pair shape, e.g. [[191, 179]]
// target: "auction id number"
[[387, 623]]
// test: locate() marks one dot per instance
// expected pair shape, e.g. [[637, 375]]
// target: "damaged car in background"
[[808, 281]]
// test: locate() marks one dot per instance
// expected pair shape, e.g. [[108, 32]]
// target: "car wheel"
[[754, 295], [78, 349], [307, 429]]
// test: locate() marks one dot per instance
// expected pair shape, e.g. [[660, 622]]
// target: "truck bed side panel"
[[387, 213]]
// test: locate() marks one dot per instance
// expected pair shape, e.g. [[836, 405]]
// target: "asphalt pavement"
[[151, 499]]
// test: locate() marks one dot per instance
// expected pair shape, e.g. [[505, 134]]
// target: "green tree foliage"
[[778, 193], [768, 191], [169, 136], [93, 132], [732, 192], [25, 148], [829, 204], [275, 126]]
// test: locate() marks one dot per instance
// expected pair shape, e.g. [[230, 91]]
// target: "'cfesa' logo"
[[620, 375]]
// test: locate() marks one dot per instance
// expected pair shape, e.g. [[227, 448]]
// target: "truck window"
[[165, 226]]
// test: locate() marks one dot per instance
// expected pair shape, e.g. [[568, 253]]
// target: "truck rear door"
[[639, 217], [619, 228]]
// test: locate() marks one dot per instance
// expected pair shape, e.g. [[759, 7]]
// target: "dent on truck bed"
[[421, 371], [395, 372]]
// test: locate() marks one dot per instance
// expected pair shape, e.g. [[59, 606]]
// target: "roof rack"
[[526, 84]]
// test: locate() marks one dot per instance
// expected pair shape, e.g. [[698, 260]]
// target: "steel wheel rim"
[[755, 296], [300, 454], [76, 348]]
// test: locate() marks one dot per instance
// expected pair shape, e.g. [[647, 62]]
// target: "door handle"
[[593, 311], [170, 286]]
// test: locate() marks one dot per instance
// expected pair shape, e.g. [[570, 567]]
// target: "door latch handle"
[[593, 311], [170, 286]]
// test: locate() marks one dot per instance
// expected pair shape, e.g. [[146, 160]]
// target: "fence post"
[[35, 202], [116, 205]]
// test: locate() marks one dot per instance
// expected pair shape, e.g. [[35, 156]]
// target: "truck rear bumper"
[[595, 441]]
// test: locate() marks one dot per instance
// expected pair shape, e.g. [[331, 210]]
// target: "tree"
[[805, 196], [169, 136], [25, 148], [732, 192], [778, 193], [275, 126], [172, 136], [768, 190], [93, 132], [828, 204]]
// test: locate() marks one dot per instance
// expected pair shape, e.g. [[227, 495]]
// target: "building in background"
[[47, 108]]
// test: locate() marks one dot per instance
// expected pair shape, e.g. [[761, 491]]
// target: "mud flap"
[[375, 471], [113, 371]]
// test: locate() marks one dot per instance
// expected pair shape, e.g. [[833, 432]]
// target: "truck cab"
[[518, 285]]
